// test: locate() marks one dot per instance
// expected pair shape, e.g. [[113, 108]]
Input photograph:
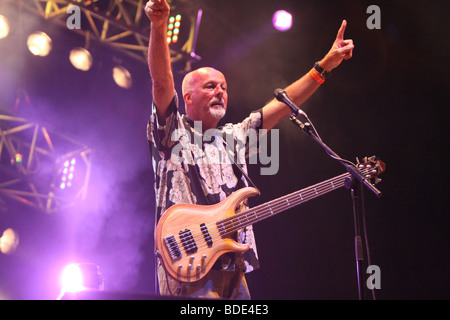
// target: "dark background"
[[389, 100]]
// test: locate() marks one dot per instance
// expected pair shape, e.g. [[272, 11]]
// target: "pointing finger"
[[340, 34]]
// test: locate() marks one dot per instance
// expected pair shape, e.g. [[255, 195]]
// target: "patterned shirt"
[[195, 167]]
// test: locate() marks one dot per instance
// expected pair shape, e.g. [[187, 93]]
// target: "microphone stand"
[[356, 184]]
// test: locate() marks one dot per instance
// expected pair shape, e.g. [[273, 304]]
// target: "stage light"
[[122, 77], [81, 59], [37, 161], [78, 277], [39, 44], [71, 278], [4, 27], [67, 173], [282, 20], [9, 241], [173, 29], [17, 159]]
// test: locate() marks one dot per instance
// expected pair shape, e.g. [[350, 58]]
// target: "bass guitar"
[[190, 238]]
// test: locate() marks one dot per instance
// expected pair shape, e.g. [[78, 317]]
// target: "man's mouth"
[[217, 104]]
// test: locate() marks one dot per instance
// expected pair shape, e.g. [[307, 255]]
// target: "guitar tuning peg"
[[377, 180]]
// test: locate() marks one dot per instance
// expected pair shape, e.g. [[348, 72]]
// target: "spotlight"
[[122, 77], [67, 173], [39, 44], [81, 59], [71, 278], [173, 29], [282, 20], [18, 158], [78, 277], [4, 27], [9, 241]]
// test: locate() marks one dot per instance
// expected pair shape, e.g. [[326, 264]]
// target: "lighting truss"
[[32, 158], [121, 24]]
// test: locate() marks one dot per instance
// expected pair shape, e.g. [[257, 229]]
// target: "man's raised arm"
[[159, 56], [303, 88]]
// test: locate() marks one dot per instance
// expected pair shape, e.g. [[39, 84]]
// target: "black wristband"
[[321, 71]]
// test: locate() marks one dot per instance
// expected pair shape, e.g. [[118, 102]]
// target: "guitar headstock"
[[371, 168]]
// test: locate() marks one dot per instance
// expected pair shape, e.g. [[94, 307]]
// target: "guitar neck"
[[271, 208]]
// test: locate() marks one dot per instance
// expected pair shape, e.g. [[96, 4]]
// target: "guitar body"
[[189, 240]]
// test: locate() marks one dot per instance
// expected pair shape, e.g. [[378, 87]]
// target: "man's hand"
[[158, 12], [341, 49]]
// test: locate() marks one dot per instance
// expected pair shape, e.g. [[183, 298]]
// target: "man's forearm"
[[299, 92], [160, 68]]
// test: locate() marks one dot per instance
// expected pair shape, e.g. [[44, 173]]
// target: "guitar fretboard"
[[271, 208]]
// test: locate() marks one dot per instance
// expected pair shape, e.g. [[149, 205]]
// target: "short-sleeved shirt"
[[195, 167]]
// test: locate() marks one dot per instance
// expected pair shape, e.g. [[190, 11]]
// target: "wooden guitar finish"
[[190, 238]]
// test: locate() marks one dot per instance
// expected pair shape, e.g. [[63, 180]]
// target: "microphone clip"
[[282, 96]]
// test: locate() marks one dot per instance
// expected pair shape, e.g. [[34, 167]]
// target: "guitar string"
[[320, 187], [278, 207], [303, 194], [216, 233], [266, 211], [291, 200]]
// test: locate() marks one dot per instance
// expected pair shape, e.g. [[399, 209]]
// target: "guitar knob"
[[204, 256], [190, 266]]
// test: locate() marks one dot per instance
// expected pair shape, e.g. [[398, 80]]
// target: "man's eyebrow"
[[215, 82]]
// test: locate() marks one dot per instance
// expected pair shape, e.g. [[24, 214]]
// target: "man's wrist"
[[321, 70], [325, 65]]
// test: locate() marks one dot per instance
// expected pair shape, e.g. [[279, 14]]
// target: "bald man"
[[194, 174]]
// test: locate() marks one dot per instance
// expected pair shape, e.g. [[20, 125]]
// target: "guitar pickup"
[[206, 235], [172, 246], [188, 241]]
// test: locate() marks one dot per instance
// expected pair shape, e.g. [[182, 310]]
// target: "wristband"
[[321, 71], [313, 73]]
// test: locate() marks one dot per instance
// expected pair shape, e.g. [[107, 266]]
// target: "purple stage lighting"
[[72, 279], [282, 20], [77, 277], [68, 171]]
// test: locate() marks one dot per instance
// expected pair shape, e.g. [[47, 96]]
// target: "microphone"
[[282, 96]]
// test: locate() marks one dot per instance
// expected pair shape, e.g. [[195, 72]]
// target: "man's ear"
[[187, 98]]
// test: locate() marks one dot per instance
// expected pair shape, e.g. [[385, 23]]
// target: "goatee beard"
[[218, 113]]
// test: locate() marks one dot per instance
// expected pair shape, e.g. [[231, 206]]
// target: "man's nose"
[[219, 91]]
